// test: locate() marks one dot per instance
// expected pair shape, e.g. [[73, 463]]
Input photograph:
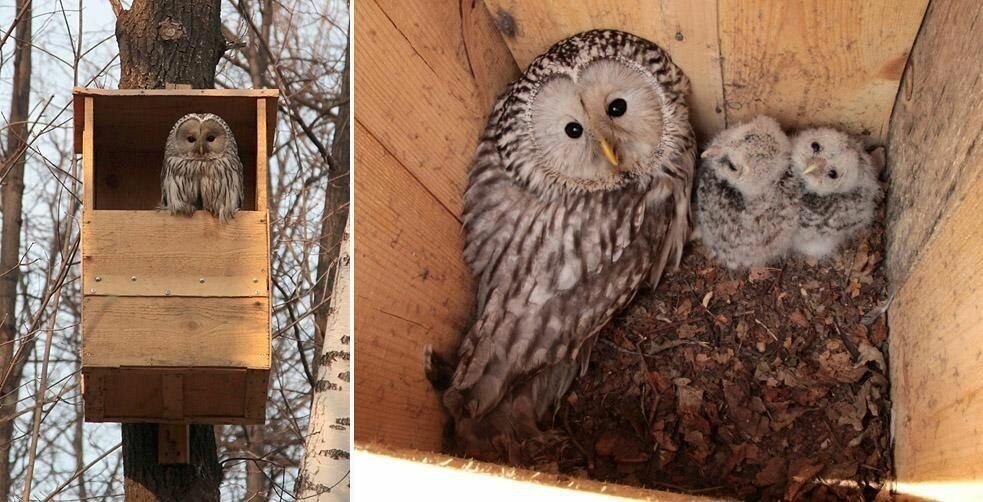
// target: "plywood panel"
[[202, 395], [175, 331], [936, 130], [417, 100], [151, 253], [806, 62], [687, 30], [411, 288], [936, 349], [422, 470]]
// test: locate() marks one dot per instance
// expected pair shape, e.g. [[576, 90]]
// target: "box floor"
[[766, 383]]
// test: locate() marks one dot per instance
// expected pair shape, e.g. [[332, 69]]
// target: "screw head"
[[255, 280], [98, 279], [257, 292], [201, 281], [133, 278], [92, 290], [167, 293]]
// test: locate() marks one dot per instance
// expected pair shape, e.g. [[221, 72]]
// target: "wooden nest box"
[[175, 310]]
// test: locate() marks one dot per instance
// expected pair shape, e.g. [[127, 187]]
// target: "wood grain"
[[805, 62], [149, 395], [418, 101], [151, 253], [262, 156], [411, 288], [175, 331], [88, 155], [936, 348], [144, 110], [936, 131], [687, 30]]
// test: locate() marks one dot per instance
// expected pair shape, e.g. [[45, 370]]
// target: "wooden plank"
[[936, 348], [172, 396], [412, 288], [172, 444], [422, 470], [262, 155], [207, 395], [687, 30], [151, 253], [88, 156], [175, 331], [805, 62], [428, 119], [936, 131]]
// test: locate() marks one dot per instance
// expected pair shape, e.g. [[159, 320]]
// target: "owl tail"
[[522, 415]]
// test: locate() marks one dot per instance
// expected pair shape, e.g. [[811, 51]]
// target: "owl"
[[201, 168], [839, 189], [746, 195], [578, 193]]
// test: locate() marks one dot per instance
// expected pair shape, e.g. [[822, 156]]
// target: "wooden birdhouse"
[[175, 309]]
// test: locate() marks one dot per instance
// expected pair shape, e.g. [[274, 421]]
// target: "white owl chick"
[[839, 189], [746, 195]]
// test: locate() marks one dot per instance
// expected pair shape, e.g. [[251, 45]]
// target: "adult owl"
[[578, 192], [201, 168]]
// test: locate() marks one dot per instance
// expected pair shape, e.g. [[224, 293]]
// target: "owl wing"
[[164, 173]]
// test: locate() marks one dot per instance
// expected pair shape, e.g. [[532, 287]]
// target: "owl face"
[[598, 123], [828, 161], [598, 111], [751, 156], [197, 136]]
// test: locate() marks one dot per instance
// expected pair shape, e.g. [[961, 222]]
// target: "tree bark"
[[335, 213], [325, 472], [12, 193], [169, 41], [163, 42]]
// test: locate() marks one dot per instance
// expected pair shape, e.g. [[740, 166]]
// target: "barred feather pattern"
[[191, 181], [554, 262], [826, 221]]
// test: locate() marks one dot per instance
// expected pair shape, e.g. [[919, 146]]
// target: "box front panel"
[[175, 331], [151, 253]]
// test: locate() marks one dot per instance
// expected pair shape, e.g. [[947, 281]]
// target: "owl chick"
[[839, 189], [746, 195], [578, 192], [201, 168]]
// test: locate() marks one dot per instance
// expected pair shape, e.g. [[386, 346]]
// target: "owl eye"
[[617, 108], [191, 139], [210, 139], [727, 163], [816, 147], [832, 174], [574, 130]]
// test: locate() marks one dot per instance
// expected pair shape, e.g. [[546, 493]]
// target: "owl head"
[[596, 111], [200, 136], [751, 156], [829, 161]]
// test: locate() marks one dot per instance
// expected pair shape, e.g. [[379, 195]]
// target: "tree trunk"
[[335, 213], [169, 41], [325, 473], [162, 42], [12, 192]]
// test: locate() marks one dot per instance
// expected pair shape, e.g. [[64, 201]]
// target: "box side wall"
[[935, 255], [424, 86]]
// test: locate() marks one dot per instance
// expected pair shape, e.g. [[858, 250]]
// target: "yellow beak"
[[609, 152], [813, 165]]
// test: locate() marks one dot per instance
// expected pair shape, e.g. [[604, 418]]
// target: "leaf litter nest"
[[769, 383]]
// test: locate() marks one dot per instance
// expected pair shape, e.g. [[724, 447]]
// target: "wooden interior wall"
[[834, 62], [425, 76], [935, 251]]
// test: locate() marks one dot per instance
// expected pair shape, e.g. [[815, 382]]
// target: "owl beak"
[[201, 148], [609, 152], [813, 165]]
